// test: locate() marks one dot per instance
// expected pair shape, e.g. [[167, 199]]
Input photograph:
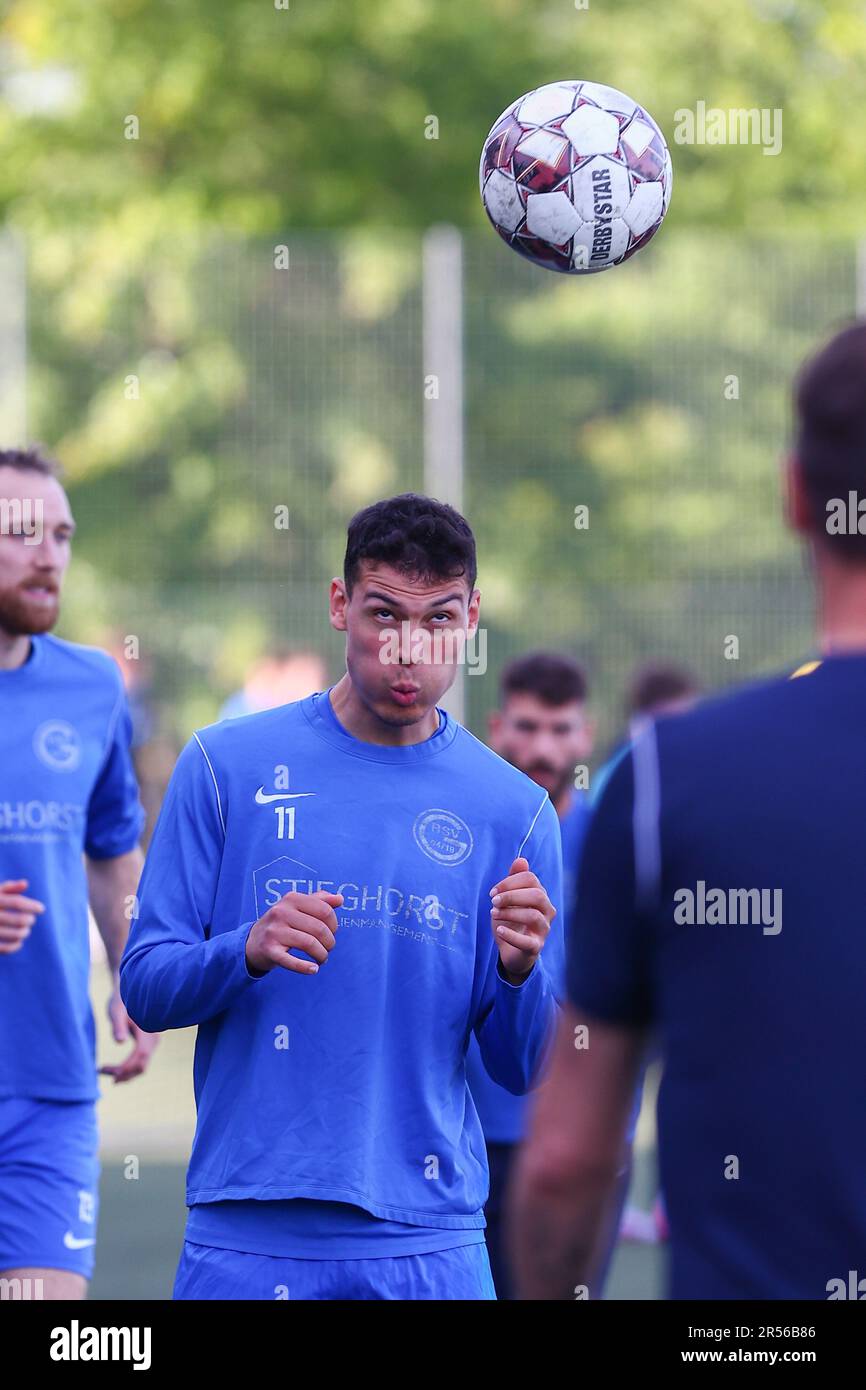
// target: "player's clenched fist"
[[298, 922], [17, 915], [520, 914]]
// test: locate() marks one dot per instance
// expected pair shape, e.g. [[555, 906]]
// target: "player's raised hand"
[[520, 915], [17, 915], [298, 922]]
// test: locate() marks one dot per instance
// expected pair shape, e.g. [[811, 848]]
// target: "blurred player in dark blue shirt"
[[721, 903]]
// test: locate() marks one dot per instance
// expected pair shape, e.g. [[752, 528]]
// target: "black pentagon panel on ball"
[[637, 243], [500, 146], [542, 253], [510, 238], [646, 159], [541, 161]]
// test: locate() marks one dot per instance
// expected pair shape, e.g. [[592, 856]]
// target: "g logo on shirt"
[[443, 836], [57, 745]]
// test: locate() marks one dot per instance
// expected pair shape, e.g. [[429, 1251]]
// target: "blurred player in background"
[[337, 1152], [70, 822], [154, 749], [656, 688], [722, 906], [281, 675], [541, 727], [661, 687]]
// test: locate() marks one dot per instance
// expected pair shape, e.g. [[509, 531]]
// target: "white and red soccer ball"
[[576, 176]]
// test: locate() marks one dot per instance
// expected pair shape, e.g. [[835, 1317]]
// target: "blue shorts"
[[460, 1273], [49, 1184]]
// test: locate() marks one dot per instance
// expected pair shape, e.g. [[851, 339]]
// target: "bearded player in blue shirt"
[[339, 893], [70, 822], [721, 904]]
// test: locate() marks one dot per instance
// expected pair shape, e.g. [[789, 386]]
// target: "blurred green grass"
[[147, 1127]]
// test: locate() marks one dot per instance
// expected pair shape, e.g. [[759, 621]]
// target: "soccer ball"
[[576, 176]]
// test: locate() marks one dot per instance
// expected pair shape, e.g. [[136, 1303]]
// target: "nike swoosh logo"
[[77, 1243], [263, 797]]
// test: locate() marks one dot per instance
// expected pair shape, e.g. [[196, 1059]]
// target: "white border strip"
[[519, 854], [215, 787], [645, 818]]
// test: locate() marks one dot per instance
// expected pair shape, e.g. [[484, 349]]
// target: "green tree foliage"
[[191, 386], [314, 115]]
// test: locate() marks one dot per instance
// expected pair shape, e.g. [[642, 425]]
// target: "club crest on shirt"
[[443, 836], [57, 745]]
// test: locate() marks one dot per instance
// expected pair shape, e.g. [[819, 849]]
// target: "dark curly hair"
[[551, 677], [417, 535]]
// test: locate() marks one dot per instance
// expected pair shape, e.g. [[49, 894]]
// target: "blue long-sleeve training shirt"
[[348, 1086], [505, 1116], [67, 789]]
